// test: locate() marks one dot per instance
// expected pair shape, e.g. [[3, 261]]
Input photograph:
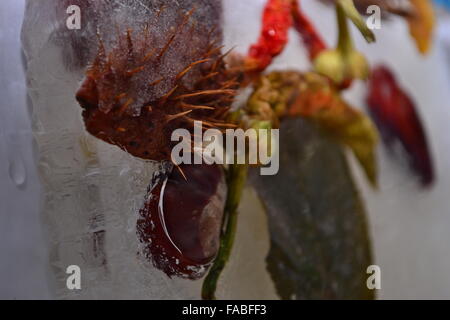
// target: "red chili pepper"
[[277, 20], [396, 116], [311, 38], [278, 17]]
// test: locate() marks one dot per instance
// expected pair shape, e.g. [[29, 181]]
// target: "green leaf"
[[320, 247]]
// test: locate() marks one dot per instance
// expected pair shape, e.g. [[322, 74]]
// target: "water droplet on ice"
[[17, 171]]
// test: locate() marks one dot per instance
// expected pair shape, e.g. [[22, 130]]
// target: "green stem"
[[237, 177], [345, 42], [351, 12]]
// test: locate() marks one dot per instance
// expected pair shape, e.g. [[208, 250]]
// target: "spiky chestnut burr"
[[124, 105]]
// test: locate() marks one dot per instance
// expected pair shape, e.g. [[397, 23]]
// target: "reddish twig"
[[310, 37]]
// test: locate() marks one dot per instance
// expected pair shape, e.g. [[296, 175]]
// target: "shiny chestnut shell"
[[181, 221]]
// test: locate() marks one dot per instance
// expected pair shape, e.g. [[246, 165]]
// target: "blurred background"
[[409, 226]]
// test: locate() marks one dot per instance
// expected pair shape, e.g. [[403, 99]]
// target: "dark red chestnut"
[[181, 221]]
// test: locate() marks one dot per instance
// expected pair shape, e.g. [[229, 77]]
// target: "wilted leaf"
[[396, 115], [421, 24], [312, 96], [319, 241], [323, 105]]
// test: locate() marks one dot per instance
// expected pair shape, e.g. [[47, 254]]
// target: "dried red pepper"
[[278, 17], [395, 114], [277, 20]]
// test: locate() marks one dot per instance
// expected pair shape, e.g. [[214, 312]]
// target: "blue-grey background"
[[23, 256]]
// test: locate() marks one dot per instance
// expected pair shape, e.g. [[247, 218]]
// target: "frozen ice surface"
[[23, 255], [92, 190], [150, 26]]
